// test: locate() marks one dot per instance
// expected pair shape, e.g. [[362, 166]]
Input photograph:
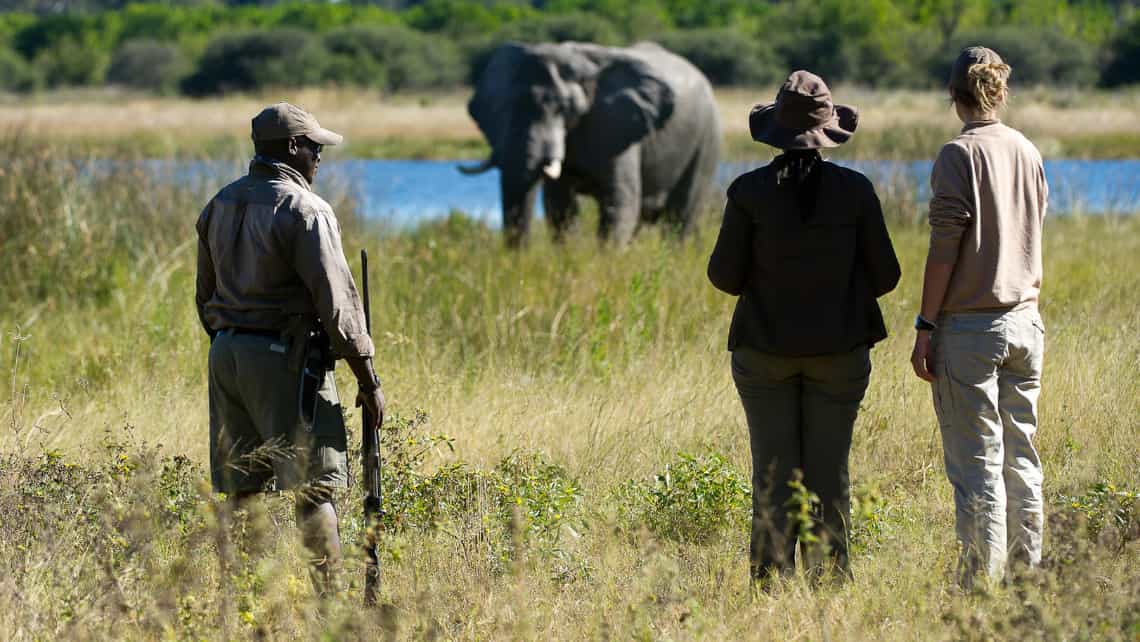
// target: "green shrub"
[[72, 61], [726, 56], [542, 495], [392, 58], [16, 73], [574, 26], [148, 64], [1037, 57], [252, 60], [1124, 57], [693, 500], [1107, 508], [545, 495], [462, 18]]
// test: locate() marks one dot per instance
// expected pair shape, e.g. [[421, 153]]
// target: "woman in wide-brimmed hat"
[[979, 338], [804, 246]]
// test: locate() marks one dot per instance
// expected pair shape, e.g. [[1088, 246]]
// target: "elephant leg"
[[561, 206], [619, 205], [688, 196]]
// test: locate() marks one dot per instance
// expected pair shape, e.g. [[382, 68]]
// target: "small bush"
[[1109, 511], [1124, 57], [567, 27], [1037, 57], [16, 73], [526, 486], [391, 58], [72, 61], [148, 64], [726, 56], [257, 59], [543, 492], [693, 500]]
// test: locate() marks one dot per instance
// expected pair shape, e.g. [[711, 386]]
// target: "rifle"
[[370, 463]]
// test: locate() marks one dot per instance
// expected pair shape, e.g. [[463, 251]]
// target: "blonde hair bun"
[[988, 84]]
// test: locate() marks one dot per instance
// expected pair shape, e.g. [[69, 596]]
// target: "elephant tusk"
[[477, 169], [553, 169]]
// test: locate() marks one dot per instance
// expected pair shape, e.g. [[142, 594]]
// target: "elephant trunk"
[[482, 167], [518, 209]]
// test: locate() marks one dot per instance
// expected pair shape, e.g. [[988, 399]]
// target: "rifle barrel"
[[370, 463]]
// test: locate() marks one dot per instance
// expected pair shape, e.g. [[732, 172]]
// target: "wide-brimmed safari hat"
[[284, 120], [803, 116]]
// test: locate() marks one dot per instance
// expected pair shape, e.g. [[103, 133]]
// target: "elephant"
[[637, 128]]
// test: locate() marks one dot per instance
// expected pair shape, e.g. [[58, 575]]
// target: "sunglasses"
[[308, 142]]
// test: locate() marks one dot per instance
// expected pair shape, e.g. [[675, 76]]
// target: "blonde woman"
[[980, 340]]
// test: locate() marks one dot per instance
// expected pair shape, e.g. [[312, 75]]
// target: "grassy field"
[[893, 124], [567, 457]]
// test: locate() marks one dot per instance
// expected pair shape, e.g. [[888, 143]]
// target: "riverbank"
[[894, 125]]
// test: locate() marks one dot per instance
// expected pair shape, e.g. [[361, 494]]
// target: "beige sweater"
[[987, 207]]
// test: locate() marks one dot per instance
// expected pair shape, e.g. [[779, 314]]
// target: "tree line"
[[199, 48]]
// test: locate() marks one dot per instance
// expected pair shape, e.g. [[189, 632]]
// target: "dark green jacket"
[[807, 262]]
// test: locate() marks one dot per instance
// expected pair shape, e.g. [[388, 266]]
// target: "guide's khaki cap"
[[285, 121]]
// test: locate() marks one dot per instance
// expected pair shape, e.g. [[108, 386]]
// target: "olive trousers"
[[801, 415]]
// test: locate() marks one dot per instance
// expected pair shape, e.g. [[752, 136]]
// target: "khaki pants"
[[988, 369], [257, 438], [801, 413]]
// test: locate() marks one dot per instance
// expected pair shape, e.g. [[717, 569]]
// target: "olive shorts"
[[257, 438], [988, 368]]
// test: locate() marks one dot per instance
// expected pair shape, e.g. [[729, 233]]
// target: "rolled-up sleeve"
[[728, 264], [319, 259], [952, 207]]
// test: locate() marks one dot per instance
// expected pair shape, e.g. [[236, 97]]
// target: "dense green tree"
[[391, 58], [16, 72], [464, 18], [1037, 57], [579, 27], [872, 42], [727, 56], [1124, 62], [148, 64], [283, 57]]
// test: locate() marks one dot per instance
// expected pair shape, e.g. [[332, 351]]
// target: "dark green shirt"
[[807, 270]]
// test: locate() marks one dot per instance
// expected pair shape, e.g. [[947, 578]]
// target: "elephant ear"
[[490, 106], [635, 100]]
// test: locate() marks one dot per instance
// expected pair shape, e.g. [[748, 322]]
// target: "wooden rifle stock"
[[370, 464]]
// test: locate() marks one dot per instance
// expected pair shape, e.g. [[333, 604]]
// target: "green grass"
[[556, 385]]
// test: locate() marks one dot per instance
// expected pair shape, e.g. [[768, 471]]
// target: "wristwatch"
[[921, 323]]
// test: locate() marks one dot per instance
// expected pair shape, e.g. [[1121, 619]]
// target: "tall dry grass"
[[608, 364]]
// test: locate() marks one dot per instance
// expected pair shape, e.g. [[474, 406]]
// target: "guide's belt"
[[257, 332]]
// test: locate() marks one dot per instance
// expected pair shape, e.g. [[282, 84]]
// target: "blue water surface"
[[409, 191], [404, 192]]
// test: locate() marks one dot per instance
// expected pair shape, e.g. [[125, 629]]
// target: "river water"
[[404, 192]]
